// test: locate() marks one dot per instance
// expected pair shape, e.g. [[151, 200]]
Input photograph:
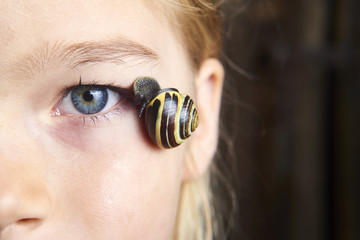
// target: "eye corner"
[[55, 112]]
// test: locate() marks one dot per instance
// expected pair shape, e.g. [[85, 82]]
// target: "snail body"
[[170, 117]]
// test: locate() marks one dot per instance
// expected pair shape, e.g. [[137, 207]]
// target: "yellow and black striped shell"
[[170, 117]]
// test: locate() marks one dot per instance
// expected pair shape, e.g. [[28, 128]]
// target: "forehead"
[[28, 24], [47, 18]]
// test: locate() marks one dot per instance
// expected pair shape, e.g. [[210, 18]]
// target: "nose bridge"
[[24, 192]]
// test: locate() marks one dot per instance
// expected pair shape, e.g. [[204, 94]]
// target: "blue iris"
[[89, 99]]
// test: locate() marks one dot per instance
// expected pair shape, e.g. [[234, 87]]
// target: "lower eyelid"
[[100, 119]]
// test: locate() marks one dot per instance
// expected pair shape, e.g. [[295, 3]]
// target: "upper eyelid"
[[125, 92]]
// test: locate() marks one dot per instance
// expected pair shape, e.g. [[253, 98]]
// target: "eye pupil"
[[88, 96]]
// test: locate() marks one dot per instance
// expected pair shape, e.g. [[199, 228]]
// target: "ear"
[[203, 144]]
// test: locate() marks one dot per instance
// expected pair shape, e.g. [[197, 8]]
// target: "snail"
[[170, 117]]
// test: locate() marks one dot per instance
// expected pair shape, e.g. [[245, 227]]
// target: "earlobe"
[[203, 144]]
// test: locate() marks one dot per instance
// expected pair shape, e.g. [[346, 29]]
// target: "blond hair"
[[199, 24]]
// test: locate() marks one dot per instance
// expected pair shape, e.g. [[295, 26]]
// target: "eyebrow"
[[83, 53]]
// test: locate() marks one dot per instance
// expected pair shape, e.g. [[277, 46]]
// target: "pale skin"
[[66, 177]]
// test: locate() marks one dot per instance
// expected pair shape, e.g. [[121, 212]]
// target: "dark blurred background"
[[290, 118]]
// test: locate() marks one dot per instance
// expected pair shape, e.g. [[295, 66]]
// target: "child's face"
[[68, 176]]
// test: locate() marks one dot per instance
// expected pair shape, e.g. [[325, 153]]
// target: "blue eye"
[[88, 100]]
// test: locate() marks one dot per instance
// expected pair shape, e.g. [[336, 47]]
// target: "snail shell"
[[170, 117]]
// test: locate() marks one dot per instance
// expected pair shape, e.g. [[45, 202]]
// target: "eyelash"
[[118, 109], [94, 119]]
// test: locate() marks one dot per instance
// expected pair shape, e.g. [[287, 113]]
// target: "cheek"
[[121, 187], [98, 135], [129, 195]]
